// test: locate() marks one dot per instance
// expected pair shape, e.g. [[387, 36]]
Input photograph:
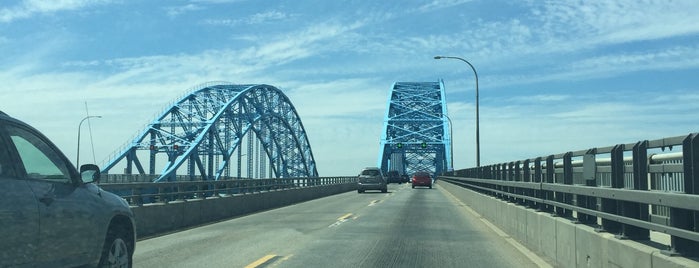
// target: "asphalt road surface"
[[402, 228]]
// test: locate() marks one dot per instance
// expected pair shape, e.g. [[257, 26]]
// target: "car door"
[[67, 208], [19, 213]]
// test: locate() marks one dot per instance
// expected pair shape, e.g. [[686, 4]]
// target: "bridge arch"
[[415, 134], [211, 130]]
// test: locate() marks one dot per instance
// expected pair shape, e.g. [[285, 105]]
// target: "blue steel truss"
[[202, 136], [416, 134]]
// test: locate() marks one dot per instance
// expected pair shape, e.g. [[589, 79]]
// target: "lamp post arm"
[[77, 160], [478, 139]]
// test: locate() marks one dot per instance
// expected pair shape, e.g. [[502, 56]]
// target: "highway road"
[[402, 228]]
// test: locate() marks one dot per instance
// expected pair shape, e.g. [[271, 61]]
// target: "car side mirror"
[[90, 173]]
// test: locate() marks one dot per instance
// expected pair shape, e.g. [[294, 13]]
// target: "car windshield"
[[370, 172]]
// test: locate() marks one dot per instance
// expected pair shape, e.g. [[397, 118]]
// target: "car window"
[[5, 169], [370, 172], [40, 161]]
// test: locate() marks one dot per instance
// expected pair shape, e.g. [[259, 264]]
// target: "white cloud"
[[593, 23], [179, 10], [440, 4], [28, 8], [258, 18]]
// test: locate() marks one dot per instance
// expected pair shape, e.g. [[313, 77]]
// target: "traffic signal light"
[[399, 145], [424, 145]]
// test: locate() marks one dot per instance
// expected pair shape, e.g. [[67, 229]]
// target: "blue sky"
[[554, 76]]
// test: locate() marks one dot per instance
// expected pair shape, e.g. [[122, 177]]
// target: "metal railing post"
[[589, 178], [640, 182], [682, 218], [550, 178], [617, 181]]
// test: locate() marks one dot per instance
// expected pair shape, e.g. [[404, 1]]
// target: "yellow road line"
[[261, 261], [345, 217]]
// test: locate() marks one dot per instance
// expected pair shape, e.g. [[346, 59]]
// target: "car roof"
[[7, 117]]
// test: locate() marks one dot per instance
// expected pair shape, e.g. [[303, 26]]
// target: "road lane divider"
[[340, 220], [263, 261], [374, 202], [345, 217]]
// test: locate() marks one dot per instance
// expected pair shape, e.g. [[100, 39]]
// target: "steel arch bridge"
[[218, 127], [415, 134]]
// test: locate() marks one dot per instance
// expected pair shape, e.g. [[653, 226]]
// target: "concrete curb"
[[160, 218]]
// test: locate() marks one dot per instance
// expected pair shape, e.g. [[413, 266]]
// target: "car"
[[371, 178], [394, 176], [405, 178], [422, 178], [51, 214]]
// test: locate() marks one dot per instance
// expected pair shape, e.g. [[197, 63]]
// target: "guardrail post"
[[682, 218], [550, 178], [498, 176], [538, 179], [510, 177], [567, 180], [517, 170], [491, 176], [640, 182], [617, 181], [589, 176], [137, 197], [527, 177]]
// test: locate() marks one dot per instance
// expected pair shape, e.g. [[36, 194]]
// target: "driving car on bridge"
[[371, 178], [422, 179], [394, 177], [51, 214]]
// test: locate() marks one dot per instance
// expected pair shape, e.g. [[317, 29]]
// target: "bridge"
[[623, 205]]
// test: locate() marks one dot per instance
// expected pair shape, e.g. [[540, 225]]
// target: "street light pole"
[[451, 140], [77, 161], [478, 142]]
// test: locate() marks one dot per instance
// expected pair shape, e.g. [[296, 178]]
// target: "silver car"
[[371, 179], [53, 216]]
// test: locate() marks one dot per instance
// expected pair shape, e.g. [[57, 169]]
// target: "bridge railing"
[[139, 193], [625, 189]]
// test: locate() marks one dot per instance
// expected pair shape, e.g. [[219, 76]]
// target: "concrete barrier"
[[159, 218], [562, 241]]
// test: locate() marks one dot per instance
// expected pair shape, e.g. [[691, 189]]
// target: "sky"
[[554, 76]]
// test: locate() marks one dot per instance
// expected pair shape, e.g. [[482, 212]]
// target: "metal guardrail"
[[139, 193], [625, 189]]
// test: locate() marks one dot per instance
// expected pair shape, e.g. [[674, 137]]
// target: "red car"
[[422, 179]]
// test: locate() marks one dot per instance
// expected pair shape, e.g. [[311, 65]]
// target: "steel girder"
[[416, 134], [206, 127]]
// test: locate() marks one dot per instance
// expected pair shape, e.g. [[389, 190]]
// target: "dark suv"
[[394, 176], [51, 214], [371, 178]]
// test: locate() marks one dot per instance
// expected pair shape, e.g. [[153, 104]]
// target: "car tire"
[[413, 186], [430, 186], [385, 190], [116, 251]]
